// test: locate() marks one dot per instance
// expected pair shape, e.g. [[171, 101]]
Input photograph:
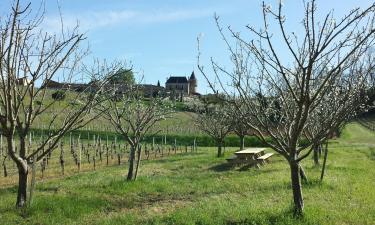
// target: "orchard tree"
[[318, 77], [214, 121], [29, 60], [133, 117], [238, 125]]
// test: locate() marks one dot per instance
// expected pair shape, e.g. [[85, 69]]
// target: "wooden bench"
[[234, 160], [233, 157], [264, 158]]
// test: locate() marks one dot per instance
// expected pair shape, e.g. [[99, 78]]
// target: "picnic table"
[[250, 153], [250, 156]]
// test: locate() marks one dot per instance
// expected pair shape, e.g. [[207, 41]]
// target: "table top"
[[250, 151]]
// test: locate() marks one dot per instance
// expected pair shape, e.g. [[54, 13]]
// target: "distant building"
[[176, 87], [67, 86], [181, 86], [54, 85], [193, 84], [151, 91], [23, 81]]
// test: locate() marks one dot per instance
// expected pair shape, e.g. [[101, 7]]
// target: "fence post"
[[29, 139], [32, 186], [175, 149], [107, 154]]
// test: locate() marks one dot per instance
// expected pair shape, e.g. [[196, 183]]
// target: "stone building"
[[182, 86], [23, 81], [67, 86], [151, 91]]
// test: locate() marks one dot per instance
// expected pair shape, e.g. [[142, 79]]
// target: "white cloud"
[[94, 20]]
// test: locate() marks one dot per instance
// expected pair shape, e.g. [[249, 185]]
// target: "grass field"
[[198, 188], [181, 122]]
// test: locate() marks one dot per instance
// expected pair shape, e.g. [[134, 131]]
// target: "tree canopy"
[[123, 75]]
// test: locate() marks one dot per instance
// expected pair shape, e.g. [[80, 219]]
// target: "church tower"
[[192, 84]]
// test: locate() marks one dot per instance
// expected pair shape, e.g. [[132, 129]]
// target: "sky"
[[159, 37]]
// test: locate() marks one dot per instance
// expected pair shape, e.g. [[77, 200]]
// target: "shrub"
[[58, 95]]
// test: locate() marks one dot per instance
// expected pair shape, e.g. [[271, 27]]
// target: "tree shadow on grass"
[[247, 167], [6, 190], [315, 182], [223, 167]]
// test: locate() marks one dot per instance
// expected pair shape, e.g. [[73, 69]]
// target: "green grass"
[[198, 188], [181, 122], [357, 134]]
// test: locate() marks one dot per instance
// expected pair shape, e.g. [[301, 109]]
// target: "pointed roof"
[[192, 76]]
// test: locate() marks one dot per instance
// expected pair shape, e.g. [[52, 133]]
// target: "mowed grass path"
[[200, 189]]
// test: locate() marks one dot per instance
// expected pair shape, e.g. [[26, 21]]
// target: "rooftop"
[[181, 80]]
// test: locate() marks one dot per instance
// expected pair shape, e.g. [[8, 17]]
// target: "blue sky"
[[159, 37]]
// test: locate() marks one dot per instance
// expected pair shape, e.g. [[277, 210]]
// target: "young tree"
[[321, 66], [133, 117], [214, 121], [238, 125], [29, 57]]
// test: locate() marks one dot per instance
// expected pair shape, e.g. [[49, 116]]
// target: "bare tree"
[[133, 117], [316, 154], [238, 125], [214, 121], [317, 81], [29, 60]]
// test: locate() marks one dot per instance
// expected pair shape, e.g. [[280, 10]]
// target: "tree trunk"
[[138, 161], [22, 188], [242, 142], [219, 148], [5, 170], [324, 162], [5, 167], [297, 188], [22, 170], [131, 163], [316, 155]]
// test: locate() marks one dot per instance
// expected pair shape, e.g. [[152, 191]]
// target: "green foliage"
[[123, 76], [180, 106], [212, 98], [58, 95]]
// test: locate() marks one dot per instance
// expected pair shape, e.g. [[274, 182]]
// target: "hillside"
[[180, 122]]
